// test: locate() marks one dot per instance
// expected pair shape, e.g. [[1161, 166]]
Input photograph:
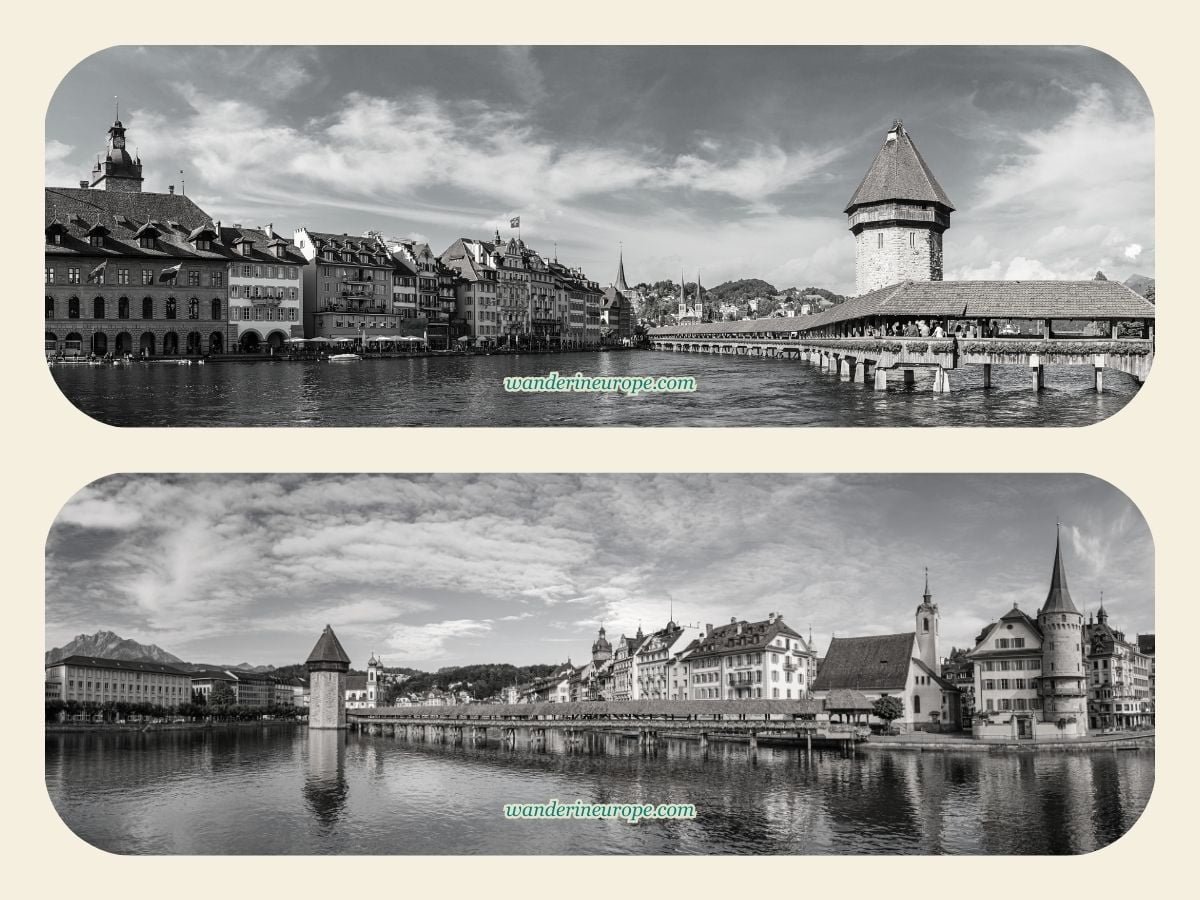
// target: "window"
[[216, 308], [193, 278], [171, 307], [147, 308], [1002, 643], [73, 275], [216, 279], [122, 276], [912, 240], [49, 274], [147, 276], [123, 308], [1018, 642], [916, 703], [193, 308], [49, 307], [880, 240], [98, 308]]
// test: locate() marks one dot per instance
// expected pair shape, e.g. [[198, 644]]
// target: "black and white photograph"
[[592, 235], [649, 664]]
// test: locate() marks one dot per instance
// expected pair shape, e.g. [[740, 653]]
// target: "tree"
[[222, 696], [1100, 276], [888, 708]]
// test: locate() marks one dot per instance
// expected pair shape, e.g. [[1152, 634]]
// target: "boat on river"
[[345, 357]]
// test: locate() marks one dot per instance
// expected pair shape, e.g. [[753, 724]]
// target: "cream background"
[[52, 450]]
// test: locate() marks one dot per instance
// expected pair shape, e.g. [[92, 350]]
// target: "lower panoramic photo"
[[600, 664]]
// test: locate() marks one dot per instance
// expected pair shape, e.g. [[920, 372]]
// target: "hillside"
[[1141, 284], [482, 680], [741, 290]]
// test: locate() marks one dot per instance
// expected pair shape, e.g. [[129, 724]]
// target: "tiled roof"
[[899, 173], [74, 211], [122, 664], [261, 241], [846, 699], [328, 649], [356, 682], [877, 662], [957, 299], [753, 636]]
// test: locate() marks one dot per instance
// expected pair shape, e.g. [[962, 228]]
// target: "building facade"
[[365, 691], [97, 681], [1118, 677], [898, 215], [131, 272], [348, 286], [1029, 677], [765, 660], [657, 662], [266, 291]]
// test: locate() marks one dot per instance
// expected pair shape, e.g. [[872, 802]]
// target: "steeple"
[[928, 596], [620, 284], [1102, 614], [1058, 599]]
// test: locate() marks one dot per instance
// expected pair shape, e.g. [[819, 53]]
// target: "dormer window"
[[247, 248], [201, 244]]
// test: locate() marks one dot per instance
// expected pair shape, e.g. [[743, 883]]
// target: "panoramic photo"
[[600, 664], [599, 235]]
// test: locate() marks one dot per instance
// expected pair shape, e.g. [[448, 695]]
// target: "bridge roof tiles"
[[597, 708]]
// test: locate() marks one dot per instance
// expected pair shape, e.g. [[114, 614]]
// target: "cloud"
[[429, 643]]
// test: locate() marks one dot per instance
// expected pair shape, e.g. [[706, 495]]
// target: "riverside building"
[[1118, 674], [92, 680], [130, 272], [266, 292], [348, 285], [1029, 677], [765, 660]]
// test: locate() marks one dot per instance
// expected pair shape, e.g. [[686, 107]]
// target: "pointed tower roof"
[[1059, 597], [328, 649], [620, 284], [898, 173]]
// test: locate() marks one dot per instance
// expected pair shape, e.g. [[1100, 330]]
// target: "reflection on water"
[[260, 790], [469, 391]]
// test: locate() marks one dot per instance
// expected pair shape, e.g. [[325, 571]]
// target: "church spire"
[[620, 284]]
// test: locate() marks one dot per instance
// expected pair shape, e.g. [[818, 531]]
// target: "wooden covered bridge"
[[1101, 324], [527, 724]]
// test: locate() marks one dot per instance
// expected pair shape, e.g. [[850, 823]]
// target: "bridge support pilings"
[[987, 375], [941, 381], [1099, 374], [753, 747], [860, 371], [1038, 371], [704, 744], [880, 379]]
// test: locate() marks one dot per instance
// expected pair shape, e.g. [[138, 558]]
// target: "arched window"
[[916, 704], [216, 308], [49, 307], [926, 624], [147, 307], [171, 307], [73, 308], [193, 308], [98, 308], [123, 308]]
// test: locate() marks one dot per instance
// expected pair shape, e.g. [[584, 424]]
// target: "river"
[[468, 390], [288, 790]]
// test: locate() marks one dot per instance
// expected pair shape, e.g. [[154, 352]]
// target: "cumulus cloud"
[[441, 569]]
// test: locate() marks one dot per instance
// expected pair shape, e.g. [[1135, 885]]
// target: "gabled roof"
[[328, 649], [899, 172], [752, 636], [877, 662]]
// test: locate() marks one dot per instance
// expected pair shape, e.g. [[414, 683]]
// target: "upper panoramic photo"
[[582, 235]]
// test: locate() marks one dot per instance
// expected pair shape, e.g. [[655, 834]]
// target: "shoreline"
[[941, 744], [80, 728]]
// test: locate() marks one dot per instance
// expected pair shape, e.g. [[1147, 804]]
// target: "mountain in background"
[[1141, 284], [107, 645]]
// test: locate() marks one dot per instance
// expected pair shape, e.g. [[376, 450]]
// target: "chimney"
[[770, 618], [83, 184], [170, 189]]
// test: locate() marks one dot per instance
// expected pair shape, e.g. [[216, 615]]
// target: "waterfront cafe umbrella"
[[320, 340], [464, 339], [296, 340]]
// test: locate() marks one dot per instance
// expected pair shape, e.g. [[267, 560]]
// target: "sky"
[[439, 570], [734, 161]]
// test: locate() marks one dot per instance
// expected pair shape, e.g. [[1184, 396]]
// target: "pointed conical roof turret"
[[328, 650], [899, 173], [620, 284], [1059, 597]]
